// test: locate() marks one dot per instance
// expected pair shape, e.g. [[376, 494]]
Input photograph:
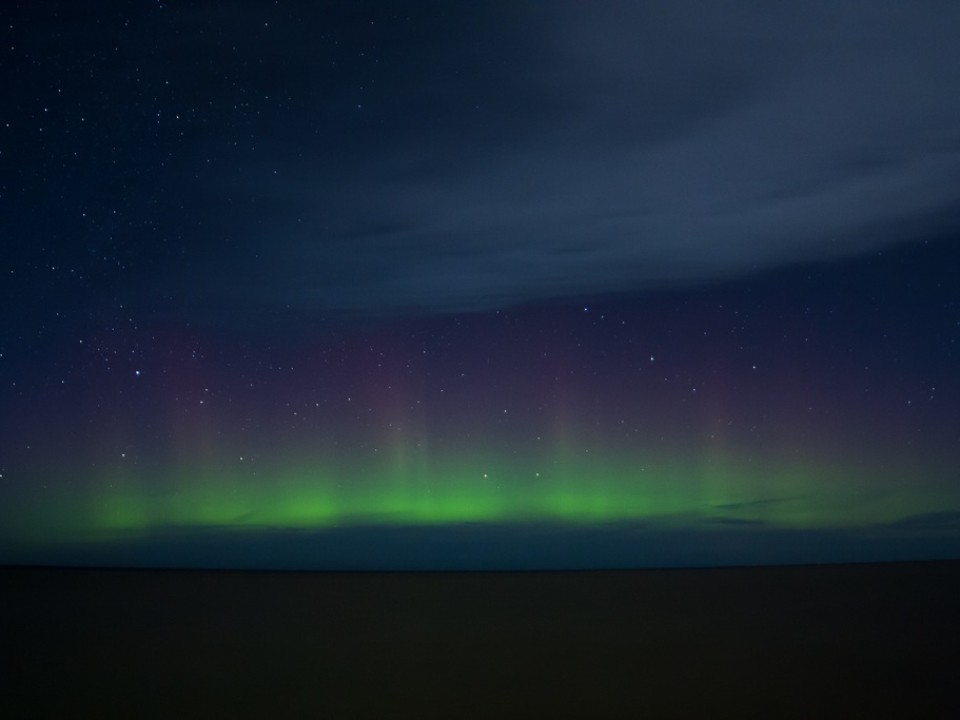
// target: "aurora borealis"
[[666, 412], [318, 286]]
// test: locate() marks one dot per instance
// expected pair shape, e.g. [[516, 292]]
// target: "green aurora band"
[[410, 489]]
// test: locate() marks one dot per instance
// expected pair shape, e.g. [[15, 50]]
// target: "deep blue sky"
[[608, 225]]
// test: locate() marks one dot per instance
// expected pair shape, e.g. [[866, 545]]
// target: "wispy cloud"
[[609, 150]]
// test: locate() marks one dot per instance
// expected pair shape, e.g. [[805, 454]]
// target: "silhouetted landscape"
[[872, 640]]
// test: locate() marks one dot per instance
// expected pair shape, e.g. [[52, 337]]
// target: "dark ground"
[[806, 642]]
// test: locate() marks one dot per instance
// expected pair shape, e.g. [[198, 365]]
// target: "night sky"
[[440, 285]]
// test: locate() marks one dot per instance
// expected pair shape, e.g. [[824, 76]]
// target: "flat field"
[[872, 640]]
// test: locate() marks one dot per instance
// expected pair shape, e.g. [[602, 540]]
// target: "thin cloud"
[[612, 148]]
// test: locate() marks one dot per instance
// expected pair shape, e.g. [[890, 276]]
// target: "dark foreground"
[[840, 641]]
